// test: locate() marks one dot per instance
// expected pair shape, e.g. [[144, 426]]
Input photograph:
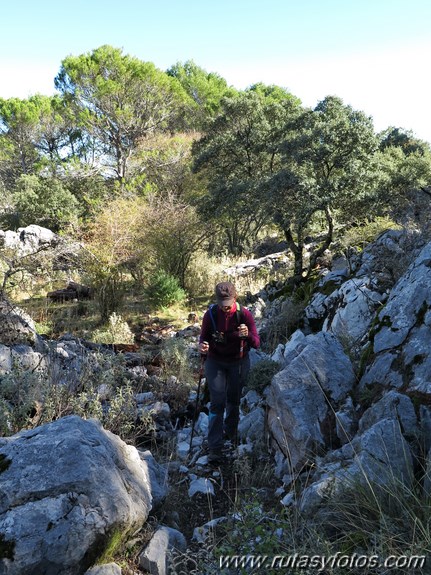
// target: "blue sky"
[[374, 54]]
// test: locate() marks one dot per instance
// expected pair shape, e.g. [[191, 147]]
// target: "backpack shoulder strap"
[[213, 315], [239, 314]]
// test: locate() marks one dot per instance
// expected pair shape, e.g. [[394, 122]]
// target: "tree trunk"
[[325, 245], [297, 250]]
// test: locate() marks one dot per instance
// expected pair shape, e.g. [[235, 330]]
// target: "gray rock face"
[[5, 359], [294, 346], [25, 358], [410, 300], [398, 407], [16, 327], [381, 372], [402, 339], [356, 307], [380, 456], [300, 415], [252, 426], [158, 476], [66, 489], [346, 421], [348, 311]]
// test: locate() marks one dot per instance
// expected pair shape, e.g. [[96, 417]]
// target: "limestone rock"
[[402, 336], [106, 569], [154, 558], [66, 489], [16, 327], [299, 416]]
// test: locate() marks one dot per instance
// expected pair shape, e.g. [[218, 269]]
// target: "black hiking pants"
[[225, 381]]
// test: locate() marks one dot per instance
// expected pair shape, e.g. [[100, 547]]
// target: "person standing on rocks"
[[228, 332]]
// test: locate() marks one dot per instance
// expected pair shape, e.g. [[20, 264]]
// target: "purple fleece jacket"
[[228, 323]]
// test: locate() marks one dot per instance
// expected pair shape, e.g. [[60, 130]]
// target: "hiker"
[[228, 332]]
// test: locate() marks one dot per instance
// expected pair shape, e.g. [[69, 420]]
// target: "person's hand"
[[204, 347], [243, 330]]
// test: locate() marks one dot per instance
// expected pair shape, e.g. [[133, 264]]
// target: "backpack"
[[213, 315]]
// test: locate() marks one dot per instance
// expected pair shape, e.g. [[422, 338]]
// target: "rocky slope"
[[349, 405]]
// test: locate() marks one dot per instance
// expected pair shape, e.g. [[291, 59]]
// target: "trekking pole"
[[201, 376], [241, 353]]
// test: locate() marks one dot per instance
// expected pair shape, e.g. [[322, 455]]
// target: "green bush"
[[20, 393], [176, 359], [117, 331], [44, 201], [164, 290]]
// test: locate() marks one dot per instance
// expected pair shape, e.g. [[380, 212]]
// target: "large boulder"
[[67, 490], [33, 244], [28, 240], [155, 557], [16, 327], [303, 398], [408, 304], [379, 459]]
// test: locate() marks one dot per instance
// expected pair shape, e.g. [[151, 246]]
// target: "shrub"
[[119, 415], [202, 275], [118, 331], [45, 202], [164, 290], [284, 320], [174, 387], [176, 359], [261, 374], [20, 394]]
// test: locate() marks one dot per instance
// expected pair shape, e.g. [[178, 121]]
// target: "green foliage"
[[359, 236], [118, 331], [118, 99], [37, 135], [20, 393], [401, 175], [115, 244], [176, 359], [108, 289], [238, 152], [387, 518], [205, 90], [404, 139], [28, 399], [19, 121], [162, 164], [164, 290], [44, 201], [253, 531], [118, 415], [203, 274], [261, 374], [327, 170], [174, 232], [303, 292]]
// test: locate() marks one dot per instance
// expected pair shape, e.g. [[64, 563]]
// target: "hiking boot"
[[215, 456], [232, 437]]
